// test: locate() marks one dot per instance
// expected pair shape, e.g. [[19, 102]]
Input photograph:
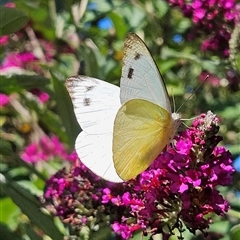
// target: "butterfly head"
[[176, 117], [176, 121]]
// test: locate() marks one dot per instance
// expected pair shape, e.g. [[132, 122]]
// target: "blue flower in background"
[[177, 38], [105, 23], [237, 194], [236, 164]]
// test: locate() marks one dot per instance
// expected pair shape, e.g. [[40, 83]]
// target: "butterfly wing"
[[144, 124], [95, 151], [141, 78], [95, 105], [141, 130]]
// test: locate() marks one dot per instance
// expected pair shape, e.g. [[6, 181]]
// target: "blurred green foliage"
[[82, 45]]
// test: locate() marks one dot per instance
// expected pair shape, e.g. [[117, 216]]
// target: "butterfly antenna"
[[193, 93], [173, 100]]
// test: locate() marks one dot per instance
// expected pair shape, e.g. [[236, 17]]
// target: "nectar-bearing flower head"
[[179, 187], [214, 19], [178, 190]]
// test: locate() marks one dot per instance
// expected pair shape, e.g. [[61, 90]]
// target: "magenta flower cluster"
[[4, 100], [24, 61], [75, 197], [178, 189], [45, 149], [14, 59], [213, 20], [20, 55]]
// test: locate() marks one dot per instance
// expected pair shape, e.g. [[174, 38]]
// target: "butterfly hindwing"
[[141, 130], [95, 151]]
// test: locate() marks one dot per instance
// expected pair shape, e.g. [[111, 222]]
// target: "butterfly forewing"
[[95, 103], [140, 76]]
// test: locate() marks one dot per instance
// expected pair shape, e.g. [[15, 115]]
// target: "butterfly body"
[[122, 136]]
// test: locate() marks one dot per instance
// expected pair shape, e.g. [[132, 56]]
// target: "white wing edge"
[[95, 152]]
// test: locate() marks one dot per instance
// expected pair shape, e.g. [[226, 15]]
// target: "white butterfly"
[[122, 136]]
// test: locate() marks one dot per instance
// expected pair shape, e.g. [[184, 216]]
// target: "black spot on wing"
[[130, 73], [89, 88], [137, 56], [86, 101]]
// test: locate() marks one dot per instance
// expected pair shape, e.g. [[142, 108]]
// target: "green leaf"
[[16, 83], [65, 109], [6, 148], [11, 212], [53, 122], [31, 233], [102, 6], [162, 7], [31, 187], [166, 65], [119, 24], [219, 227], [138, 235], [135, 17], [29, 167], [11, 20], [30, 206], [93, 61], [104, 232], [67, 64], [7, 234], [238, 62], [48, 118], [235, 232]]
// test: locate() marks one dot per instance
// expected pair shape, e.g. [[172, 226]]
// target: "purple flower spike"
[[213, 20], [179, 187], [177, 190]]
